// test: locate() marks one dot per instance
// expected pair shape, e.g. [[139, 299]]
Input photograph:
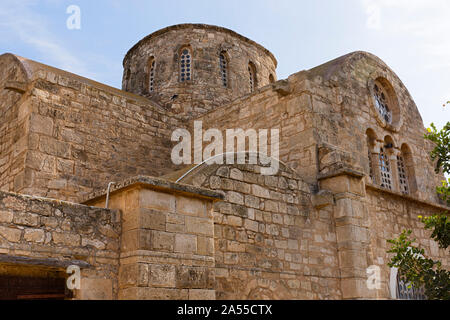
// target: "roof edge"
[[31, 69], [200, 26]]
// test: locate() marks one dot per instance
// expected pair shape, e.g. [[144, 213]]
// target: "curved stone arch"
[[263, 289], [25, 68], [198, 26], [406, 152], [372, 134], [15, 80], [390, 139], [300, 191], [204, 167], [343, 70], [386, 80]]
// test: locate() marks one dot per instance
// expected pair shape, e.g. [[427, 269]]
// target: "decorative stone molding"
[[385, 79]]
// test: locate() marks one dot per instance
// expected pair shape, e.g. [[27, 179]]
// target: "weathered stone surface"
[[44, 234], [204, 92], [185, 243], [162, 276], [306, 232]]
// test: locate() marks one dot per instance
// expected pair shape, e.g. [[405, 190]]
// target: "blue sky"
[[411, 36]]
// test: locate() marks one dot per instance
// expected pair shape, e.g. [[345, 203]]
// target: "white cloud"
[[19, 21], [424, 22]]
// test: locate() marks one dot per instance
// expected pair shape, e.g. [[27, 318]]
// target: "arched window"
[[385, 169], [382, 102], [385, 163], [224, 68], [406, 172], [399, 289], [151, 74], [252, 76], [371, 138], [271, 79], [185, 65], [402, 175]]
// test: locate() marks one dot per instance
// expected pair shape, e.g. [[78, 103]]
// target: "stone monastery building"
[[87, 179]]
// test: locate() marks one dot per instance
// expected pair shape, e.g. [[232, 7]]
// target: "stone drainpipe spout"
[[107, 194]]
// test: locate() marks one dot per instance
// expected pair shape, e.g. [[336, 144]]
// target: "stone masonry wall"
[[44, 229], [13, 124], [273, 107], [167, 249], [81, 135], [270, 242], [389, 215], [344, 110]]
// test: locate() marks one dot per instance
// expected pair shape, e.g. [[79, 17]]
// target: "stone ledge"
[[322, 199], [341, 172], [19, 87], [157, 184], [146, 256], [54, 202], [34, 70], [406, 197], [49, 262]]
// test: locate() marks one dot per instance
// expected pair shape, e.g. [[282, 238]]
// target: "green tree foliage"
[[414, 268]]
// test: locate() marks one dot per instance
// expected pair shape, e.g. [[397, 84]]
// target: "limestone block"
[[236, 174], [34, 235], [134, 275], [162, 276], [191, 207], [251, 225], [260, 192], [200, 226], [205, 246], [356, 288], [157, 200], [252, 201], [188, 277], [67, 239], [26, 219], [201, 294], [352, 233], [163, 241], [352, 258], [153, 294], [185, 243], [6, 217], [10, 234], [235, 197], [151, 219], [96, 289], [41, 124]]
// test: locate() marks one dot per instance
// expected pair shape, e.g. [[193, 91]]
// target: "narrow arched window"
[[252, 76], [385, 170], [370, 139], [406, 173], [401, 290], [151, 74], [224, 69], [271, 79], [382, 102], [402, 175], [185, 65]]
